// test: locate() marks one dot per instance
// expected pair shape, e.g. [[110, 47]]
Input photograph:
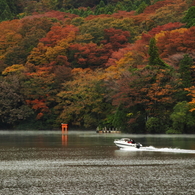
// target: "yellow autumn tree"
[[81, 102], [9, 35], [16, 68], [37, 55]]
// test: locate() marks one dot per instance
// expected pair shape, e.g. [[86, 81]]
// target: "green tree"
[[185, 70], [141, 8], [102, 4], [117, 118], [183, 119], [109, 9], [189, 17], [12, 6], [5, 13], [154, 59], [155, 125], [186, 81]]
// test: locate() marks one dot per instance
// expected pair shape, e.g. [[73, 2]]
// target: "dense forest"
[[127, 64]]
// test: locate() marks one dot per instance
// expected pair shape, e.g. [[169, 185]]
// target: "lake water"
[[87, 163]]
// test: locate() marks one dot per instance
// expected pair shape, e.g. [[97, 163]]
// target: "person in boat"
[[132, 141]]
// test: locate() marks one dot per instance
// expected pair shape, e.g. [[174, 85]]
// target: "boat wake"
[[153, 149]]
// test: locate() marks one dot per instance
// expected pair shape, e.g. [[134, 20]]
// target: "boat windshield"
[[126, 139]]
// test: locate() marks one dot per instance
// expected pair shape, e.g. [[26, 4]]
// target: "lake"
[[88, 163]]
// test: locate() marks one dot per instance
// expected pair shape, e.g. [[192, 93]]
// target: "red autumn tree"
[[38, 90], [166, 27], [117, 38], [88, 55], [58, 33], [176, 41]]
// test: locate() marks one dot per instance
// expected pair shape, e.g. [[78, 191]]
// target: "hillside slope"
[[131, 67]]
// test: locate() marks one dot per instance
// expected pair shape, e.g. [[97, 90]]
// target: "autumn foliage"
[[124, 64]]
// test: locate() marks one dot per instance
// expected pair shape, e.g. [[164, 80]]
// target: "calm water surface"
[[82, 163]]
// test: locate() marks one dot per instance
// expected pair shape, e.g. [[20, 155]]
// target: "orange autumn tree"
[[53, 47], [31, 31], [9, 35], [191, 91]]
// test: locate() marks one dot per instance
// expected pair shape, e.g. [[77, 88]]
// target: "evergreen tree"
[[5, 12], [129, 5], [3, 5], [186, 78], [12, 6], [189, 18], [154, 58], [141, 8], [100, 8], [102, 4], [148, 2], [184, 69], [109, 9], [97, 9]]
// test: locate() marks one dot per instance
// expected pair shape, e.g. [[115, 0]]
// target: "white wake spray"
[[153, 149]]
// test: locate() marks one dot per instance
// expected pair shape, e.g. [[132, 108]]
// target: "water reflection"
[[64, 139]]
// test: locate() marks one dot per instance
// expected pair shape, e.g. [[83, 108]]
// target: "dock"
[[105, 130]]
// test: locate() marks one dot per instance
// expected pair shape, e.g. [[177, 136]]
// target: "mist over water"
[[86, 163]]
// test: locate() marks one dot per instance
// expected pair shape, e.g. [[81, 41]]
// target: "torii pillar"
[[64, 127]]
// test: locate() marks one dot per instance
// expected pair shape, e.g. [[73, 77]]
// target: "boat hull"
[[123, 144]]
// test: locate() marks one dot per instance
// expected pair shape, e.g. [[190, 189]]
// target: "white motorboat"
[[127, 143]]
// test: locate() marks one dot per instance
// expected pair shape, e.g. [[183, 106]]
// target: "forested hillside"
[[99, 63]]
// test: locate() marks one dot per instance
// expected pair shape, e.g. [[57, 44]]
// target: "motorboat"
[[127, 143]]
